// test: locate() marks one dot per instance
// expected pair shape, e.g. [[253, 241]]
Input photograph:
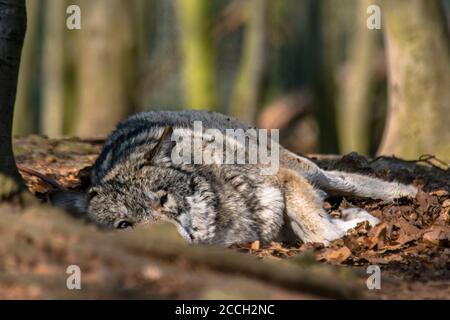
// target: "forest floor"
[[411, 245]]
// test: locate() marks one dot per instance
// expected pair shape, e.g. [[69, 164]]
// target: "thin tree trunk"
[[354, 101], [324, 60], [105, 80], [247, 90], [24, 113], [141, 11], [13, 22], [53, 89], [199, 72], [418, 54]]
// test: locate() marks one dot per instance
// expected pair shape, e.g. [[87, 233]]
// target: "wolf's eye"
[[123, 224]]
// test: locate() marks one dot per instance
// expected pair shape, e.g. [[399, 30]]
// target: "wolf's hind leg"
[[353, 184], [344, 183], [307, 218]]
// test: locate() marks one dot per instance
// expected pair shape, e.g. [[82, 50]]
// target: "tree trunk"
[[105, 81], [24, 111], [418, 53], [199, 78], [53, 88], [12, 30], [323, 65], [247, 90], [52, 114], [354, 101]]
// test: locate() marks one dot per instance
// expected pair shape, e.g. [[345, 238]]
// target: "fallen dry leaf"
[[406, 232], [426, 200], [377, 235], [255, 245], [437, 235], [376, 258], [440, 193], [444, 217], [335, 255]]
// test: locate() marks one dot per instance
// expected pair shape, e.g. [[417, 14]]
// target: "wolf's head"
[[138, 190]]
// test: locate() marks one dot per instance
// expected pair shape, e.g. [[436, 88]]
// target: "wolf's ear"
[[163, 145], [74, 202]]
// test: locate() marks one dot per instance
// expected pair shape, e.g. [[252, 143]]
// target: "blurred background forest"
[[311, 68]]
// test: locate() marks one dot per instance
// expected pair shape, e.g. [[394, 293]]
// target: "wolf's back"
[[145, 129]]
